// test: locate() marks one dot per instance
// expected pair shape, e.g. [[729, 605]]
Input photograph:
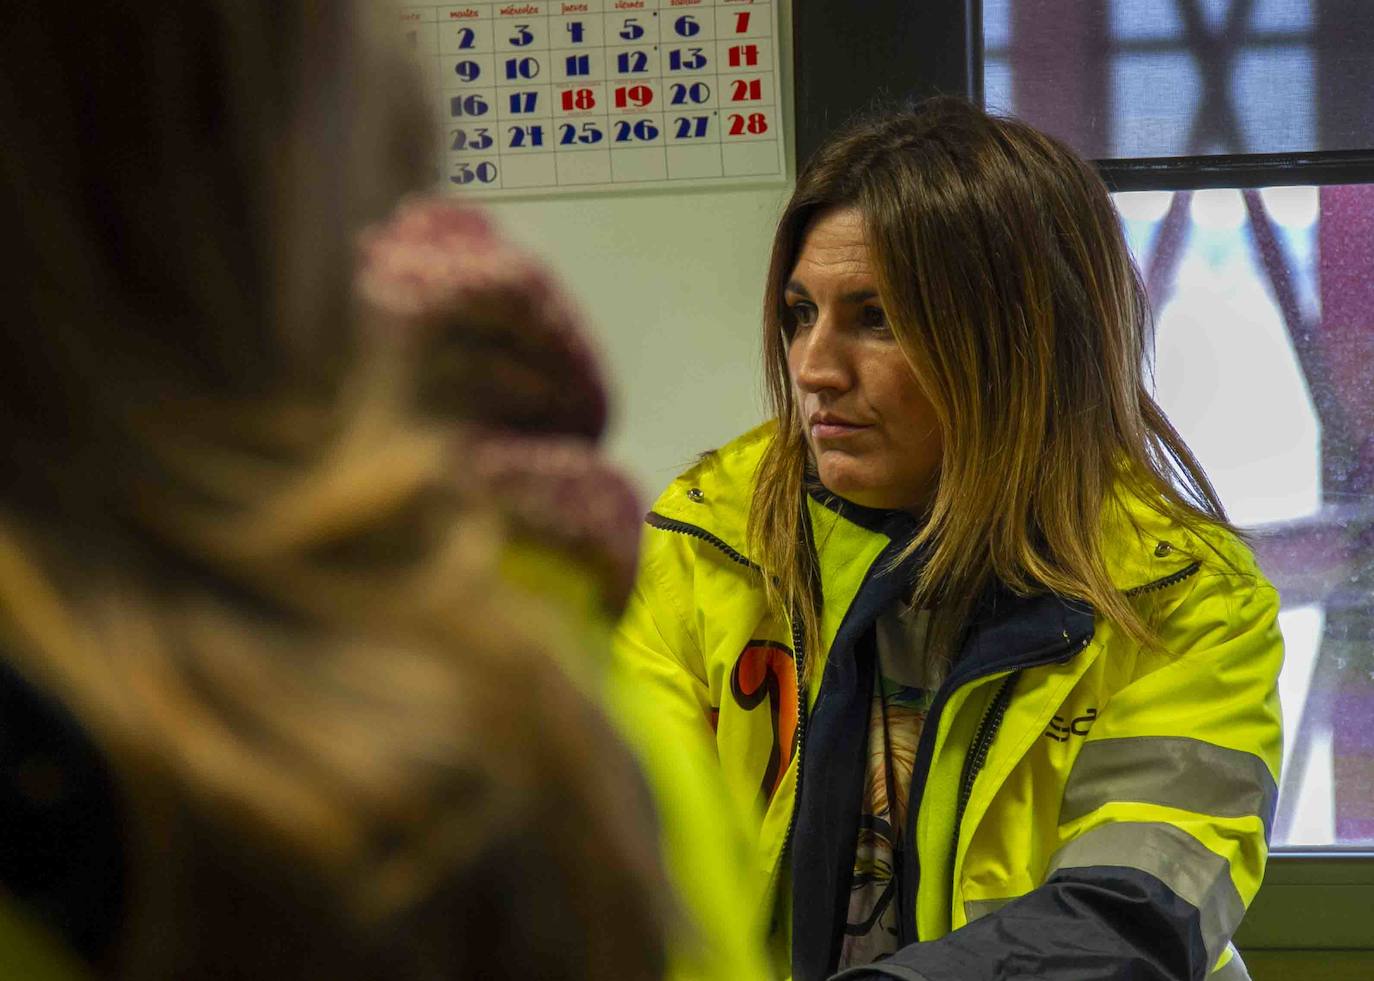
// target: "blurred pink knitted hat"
[[504, 353]]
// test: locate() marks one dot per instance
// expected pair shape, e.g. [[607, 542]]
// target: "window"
[[1264, 304], [1159, 78]]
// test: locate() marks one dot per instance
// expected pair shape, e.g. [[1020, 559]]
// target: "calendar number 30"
[[463, 173]]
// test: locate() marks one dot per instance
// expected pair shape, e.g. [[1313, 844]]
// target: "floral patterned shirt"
[[903, 691]]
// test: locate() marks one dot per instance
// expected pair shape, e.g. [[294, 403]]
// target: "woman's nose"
[[818, 359]]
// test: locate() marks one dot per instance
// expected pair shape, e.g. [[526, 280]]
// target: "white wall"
[[672, 285]]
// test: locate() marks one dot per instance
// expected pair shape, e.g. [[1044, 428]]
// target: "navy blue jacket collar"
[[1007, 631]]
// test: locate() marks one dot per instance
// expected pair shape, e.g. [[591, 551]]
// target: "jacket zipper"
[[1169, 580], [655, 520], [982, 742], [799, 657], [983, 737], [982, 745]]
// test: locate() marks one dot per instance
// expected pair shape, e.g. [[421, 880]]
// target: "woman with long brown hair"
[[965, 624], [270, 706]]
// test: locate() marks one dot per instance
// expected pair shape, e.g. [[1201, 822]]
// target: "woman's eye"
[[874, 318], [802, 314]]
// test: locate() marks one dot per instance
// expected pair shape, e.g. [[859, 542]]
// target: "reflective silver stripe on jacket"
[[978, 908], [1174, 771], [1196, 874], [1232, 970]]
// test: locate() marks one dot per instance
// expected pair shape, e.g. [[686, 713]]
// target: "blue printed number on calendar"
[[476, 139], [522, 68], [467, 105], [696, 94], [641, 131], [525, 136], [692, 127], [585, 135], [466, 173], [687, 59], [686, 26], [632, 62]]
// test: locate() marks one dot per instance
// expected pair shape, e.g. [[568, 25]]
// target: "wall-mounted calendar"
[[542, 97]]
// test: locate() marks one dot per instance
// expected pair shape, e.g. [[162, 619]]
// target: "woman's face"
[[870, 428]]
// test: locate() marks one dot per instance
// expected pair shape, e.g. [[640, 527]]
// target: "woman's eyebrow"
[[853, 296]]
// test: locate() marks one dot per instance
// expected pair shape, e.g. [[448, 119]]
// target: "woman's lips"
[[829, 429]]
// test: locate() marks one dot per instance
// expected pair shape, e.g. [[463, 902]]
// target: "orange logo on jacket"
[[765, 671]]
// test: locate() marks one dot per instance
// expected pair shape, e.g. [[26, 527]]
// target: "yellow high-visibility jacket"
[[1081, 807]]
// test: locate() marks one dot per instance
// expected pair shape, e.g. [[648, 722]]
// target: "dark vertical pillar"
[[901, 50], [1344, 74]]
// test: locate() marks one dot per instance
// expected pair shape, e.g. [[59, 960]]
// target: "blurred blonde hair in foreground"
[[230, 546]]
